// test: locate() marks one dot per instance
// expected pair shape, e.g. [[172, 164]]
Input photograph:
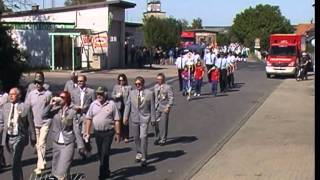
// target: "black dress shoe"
[[162, 143], [143, 163], [156, 142]]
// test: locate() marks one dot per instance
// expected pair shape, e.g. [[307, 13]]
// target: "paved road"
[[195, 131]]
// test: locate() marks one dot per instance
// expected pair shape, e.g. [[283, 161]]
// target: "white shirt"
[[13, 123], [180, 63], [61, 139], [207, 58], [82, 93], [196, 57]]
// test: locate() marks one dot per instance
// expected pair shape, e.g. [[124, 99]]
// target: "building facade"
[[89, 36]]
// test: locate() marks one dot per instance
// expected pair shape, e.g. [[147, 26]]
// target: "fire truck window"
[[283, 51]]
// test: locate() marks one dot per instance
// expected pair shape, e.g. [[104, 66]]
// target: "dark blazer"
[[26, 127], [69, 128]]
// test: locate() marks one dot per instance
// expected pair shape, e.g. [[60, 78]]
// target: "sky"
[[214, 12]]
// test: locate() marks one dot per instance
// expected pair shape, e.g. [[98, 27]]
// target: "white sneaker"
[[138, 156], [195, 94], [37, 171], [198, 95]]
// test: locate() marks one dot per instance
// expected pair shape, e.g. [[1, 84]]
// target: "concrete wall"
[[116, 38]]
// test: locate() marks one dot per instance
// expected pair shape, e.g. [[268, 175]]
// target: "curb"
[[219, 145]]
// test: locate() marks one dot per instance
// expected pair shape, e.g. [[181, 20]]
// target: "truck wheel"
[[268, 75]]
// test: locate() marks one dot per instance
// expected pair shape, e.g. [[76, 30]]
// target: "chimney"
[[35, 7]]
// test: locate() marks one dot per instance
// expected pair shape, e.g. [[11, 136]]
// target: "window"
[[283, 51]]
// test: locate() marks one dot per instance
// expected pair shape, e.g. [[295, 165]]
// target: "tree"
[[76, 2], [161, 32], [11, 66], [197, 24], [223, 39], [259, 22], [184, 24]]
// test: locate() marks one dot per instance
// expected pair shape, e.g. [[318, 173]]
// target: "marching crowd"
[[220, 67], [78, 113]]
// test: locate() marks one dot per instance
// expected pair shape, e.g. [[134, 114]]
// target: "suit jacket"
[[163, 98], [89, 97], [120, 101], [69, 126], [69, 86], [25, 122], [143, 113]]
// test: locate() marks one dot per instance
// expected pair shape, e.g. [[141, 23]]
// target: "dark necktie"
[[139, 98], [12, 112]]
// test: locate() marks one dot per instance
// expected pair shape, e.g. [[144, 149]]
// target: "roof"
[[112, 3], [200, 30], [302, 29], [133, 24]]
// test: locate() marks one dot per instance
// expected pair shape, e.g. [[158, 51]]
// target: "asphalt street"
[[196, 130]]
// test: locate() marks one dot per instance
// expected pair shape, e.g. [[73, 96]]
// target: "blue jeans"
[[214, 85], [185, 85], [198, 84]]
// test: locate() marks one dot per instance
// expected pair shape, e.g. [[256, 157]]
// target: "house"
[[88, 36]]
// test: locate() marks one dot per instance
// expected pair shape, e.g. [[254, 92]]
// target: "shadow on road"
[[181, 139], [125, 173], [161, 156], [120, 150]]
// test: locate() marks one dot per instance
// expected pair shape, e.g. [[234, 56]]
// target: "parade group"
[[80, 113]]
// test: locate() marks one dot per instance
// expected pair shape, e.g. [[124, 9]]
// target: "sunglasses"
[[80, 81], [38, 82], [100, 94], [120, 80], [137, 84]]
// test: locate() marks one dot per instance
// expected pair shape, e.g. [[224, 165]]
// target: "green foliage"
[[11, 66], [197, 24], [223, 39], [184, 24], [76, 2], [161, 32], [259, 22]]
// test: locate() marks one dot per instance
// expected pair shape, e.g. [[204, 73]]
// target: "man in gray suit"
[[140, 108], [72, 83], [163, 103], [15, 127], [81, 98]]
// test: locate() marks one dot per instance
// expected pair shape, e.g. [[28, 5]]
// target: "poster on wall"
[[97, 42]]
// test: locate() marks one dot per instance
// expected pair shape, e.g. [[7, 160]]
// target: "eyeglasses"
[[80, 81], [120, 80], [137, 84]]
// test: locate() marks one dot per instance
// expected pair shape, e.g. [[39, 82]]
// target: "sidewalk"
[[277, 142], [168, 70]]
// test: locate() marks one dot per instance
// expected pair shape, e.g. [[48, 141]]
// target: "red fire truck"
[[284, 53]]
